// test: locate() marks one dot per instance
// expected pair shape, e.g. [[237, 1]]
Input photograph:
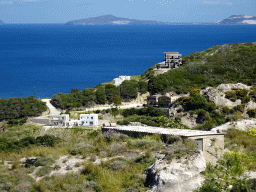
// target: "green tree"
[[143, 87], [74, 90], [111, 91], [100, 96], [117, 100], [129, 90], [164, 101]]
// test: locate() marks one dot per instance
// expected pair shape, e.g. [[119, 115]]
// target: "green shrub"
[[252, 113], [75, 152], [44, 171], [48, 140], [239, 108], [170, 139], [194, 91], [194, 102], [164, 101], [225, 110], [93, 134], [20, 108], [17, 121], [210, 106], [252, 95], [44, 161]]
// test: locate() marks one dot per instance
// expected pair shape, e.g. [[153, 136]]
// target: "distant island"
[[113, 20], [238, 20], [1, 22]]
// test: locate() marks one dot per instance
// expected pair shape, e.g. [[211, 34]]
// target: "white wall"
[[88, 119]]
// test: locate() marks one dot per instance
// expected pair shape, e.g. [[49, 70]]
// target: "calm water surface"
[[47, 59]]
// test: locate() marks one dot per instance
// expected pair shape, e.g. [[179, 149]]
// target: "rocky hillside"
[[211, 107], [180, 175], [112, 20], [229, 63]]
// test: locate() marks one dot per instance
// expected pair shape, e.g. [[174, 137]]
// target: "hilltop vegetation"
[[105, 93], [231, 63], [219, 64], [19, 108]]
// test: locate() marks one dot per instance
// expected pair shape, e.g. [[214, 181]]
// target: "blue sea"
[[43, 60]]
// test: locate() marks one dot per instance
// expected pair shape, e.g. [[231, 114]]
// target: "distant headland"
[[113, 20], [1, 22], [238, 20]]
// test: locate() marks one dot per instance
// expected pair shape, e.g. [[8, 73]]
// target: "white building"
[[88, 119], [63, 120], [120, 79]]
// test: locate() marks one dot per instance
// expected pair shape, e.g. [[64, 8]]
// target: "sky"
[[62, 11]]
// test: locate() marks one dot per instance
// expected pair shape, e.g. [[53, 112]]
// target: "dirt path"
[[53, 110]]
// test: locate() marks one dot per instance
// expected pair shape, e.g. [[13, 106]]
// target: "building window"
[[91, 122], [91, 117]]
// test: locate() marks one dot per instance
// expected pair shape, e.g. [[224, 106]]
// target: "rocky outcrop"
[[180, 175], [192, 120], [241, 125], [218, 97], [231, 87]]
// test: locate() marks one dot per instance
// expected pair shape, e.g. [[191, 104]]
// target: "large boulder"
[[180, 175], [231, 87], [241, 125], [218, 97]]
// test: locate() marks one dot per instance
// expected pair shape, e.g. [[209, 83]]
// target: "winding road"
[[53, 110]]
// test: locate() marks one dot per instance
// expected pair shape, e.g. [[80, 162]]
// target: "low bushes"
[[46, 140], [227, 175], [238, 94], [20, 108], [252, 113], [148, 111], [160, 121]]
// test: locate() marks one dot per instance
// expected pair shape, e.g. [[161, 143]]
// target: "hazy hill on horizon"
[[112, 20], [238, 20], [1, 22]]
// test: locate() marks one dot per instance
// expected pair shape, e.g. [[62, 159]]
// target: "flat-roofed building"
[[88, 119], [172, 60], [59, 120], [208, 141]]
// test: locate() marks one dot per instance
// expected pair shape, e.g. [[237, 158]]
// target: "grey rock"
[[159, 156], [177, 176], [92, 183], [231, 87], [115, 165]]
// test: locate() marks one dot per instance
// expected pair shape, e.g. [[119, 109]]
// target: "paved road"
[[120, 107], [53, 110]]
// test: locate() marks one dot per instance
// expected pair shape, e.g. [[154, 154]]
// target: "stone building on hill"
[[172, 60]]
